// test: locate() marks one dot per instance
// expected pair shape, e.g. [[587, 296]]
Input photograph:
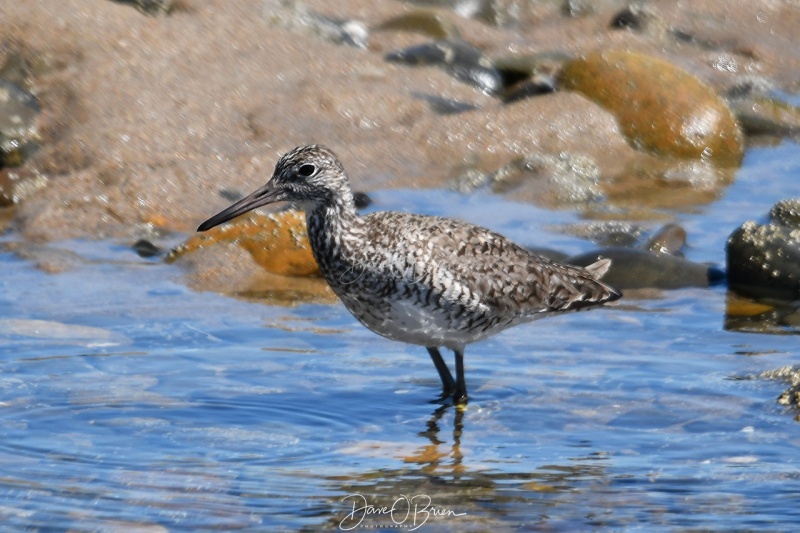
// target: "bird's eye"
[[307, 170]]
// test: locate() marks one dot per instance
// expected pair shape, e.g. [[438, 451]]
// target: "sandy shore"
[[146, 119]]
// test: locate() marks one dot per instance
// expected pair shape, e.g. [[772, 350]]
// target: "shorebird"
[[423, 280]]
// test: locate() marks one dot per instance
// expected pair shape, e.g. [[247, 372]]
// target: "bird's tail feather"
[[599, 268]]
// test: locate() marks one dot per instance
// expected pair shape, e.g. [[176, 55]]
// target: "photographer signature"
[[407, 511]]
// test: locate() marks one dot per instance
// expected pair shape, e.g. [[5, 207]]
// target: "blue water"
[[128, 400]]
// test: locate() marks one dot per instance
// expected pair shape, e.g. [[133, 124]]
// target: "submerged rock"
[[459, 58], [764, 259], [650, 181], [48, 259], [660, 107], [61, 332]]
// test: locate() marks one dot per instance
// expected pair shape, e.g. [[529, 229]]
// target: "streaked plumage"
[[419, 279]]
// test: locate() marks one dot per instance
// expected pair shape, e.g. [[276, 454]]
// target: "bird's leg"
[[448, 383], [460, 394]]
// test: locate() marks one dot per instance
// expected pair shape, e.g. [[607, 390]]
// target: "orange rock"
[[277, 242], [660, 107]]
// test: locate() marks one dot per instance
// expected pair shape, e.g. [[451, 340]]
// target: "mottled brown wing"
[[504, 276]]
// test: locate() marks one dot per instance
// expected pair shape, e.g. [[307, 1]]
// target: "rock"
[[226, 267], [651, 182], [527, 75], [277, 242], [656, 263], [667, 240], [361, 199], [764, 259], [459, 58], [633, 268], [147, 249], [660, 107], [791, 375]]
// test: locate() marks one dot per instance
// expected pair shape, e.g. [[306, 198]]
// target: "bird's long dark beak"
[[263, 196]]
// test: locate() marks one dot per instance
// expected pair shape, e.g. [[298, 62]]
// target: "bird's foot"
[[460, 396], [456, 395]]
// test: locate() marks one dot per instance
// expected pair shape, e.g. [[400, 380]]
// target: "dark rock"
[[633, 17], [764, 259], [459, 58], [362, 200], [150, 7], [638, 269], [147, 249], [536, 86]]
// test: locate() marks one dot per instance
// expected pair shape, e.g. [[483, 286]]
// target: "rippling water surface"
[[128, 401]]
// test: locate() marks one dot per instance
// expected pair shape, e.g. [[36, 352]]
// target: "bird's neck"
[[334, 229]]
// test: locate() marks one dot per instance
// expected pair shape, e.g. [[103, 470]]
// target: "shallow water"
[[129, 400]]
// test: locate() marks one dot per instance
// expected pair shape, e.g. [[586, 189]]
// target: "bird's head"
[[308, 176]]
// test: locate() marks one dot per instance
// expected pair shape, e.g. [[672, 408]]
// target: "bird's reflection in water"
[[465, 490], [433, 455]]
